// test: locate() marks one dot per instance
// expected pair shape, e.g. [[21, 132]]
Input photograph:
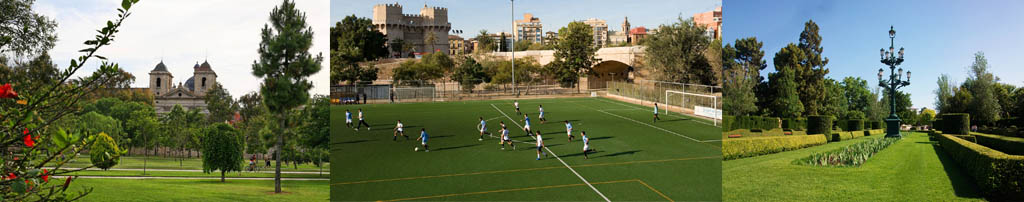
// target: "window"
[[179, 94], [157, 82], [204, 81]]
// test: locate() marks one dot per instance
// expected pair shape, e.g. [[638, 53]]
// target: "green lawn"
[[136, 162], [914, 169], [677, 158], [193, 174], [198, 190]]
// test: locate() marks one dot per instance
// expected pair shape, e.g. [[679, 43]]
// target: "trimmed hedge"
[[749, 122], [820, 125], [876, 124], [998, 175], [727, 123], [854, 125], [956, 123], [748, 147], [1008, 145], [841, 135]]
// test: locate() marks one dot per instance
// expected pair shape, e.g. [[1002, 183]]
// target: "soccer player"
[[586, 144], [399, 129], [526, 119], [541, 117], [516, 103], [361, 121], [540, 146], [568, 129], [656, 113], [423, 136], [483, 129], [502, 123], [348, 118], [506, 138]]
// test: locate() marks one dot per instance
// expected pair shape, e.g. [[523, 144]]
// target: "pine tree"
[[285, 64]]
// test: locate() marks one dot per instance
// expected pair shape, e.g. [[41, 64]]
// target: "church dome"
[[160, 67], [190, 84]]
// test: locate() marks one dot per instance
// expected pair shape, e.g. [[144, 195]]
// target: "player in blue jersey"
[[423, 136], [348, 118], [526, 120], [656, 113], [586, 144], [568, 129], [482, 126]]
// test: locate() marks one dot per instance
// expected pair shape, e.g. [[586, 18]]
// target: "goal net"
[[414, 94], [694, 104]]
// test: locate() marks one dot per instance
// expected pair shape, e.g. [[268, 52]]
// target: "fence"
[[383, 91]]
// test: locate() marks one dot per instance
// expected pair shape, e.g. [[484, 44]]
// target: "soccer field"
[[676, 159]]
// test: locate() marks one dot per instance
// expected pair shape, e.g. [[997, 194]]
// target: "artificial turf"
[[913, 169], [677, 158]]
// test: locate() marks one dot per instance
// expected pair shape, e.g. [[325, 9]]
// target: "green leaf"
[[19, 186], [126, 4], [74, 63]]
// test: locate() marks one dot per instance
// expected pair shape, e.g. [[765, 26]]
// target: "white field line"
[[556, 157], [695, 119], [652, 126]]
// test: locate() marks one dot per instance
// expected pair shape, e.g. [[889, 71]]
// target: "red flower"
[[11, 176], [46, 178], [24, 132], [67, 181], [29, 142], [7, 92]]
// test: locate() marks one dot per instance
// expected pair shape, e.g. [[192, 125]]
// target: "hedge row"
[[955, 123], [794, 123], [749, 122], [998, 175], [1009, 145], [747, 147], [842, 135], [876, 125], [820, 125]]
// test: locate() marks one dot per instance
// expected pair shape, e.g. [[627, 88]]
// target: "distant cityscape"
[[431, 31]]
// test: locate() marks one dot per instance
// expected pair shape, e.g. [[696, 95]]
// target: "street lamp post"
[[895, 81], [512, 48]]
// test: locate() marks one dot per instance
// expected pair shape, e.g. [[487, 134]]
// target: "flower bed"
[[852, 155]]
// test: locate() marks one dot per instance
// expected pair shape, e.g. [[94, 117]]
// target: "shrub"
[[997, 174], [727, 123], [747, 147], [819, 125], [801, 123], [841, 125], [956, 123], [104, 153], [788, 124], [841, 135], [852, 155], [1008, 145], [855, 125]]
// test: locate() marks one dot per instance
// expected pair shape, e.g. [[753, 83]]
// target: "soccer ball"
[[416, 149]]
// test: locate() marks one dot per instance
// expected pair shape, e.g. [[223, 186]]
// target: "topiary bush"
[[956, 123], [1008, 145], [819, 125], [747, 147], [104, 153], [998, 175]]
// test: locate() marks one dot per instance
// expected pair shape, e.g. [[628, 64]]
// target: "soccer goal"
[[414, 94], [702, 105]]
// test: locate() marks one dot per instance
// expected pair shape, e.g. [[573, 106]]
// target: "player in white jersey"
[[348, 118], [541, 117], [516, 103], [483, 128], [568, 129], [526, 120], [361, 121], [540, 146], [505, 138], [656, 113], [399, 129], [586, 144]]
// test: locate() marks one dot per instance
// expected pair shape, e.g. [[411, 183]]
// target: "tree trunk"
[[221, 175], [277, 150]]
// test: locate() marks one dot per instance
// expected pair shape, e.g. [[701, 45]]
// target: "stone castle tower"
[[414, 29], [625, 29], [190, 95]]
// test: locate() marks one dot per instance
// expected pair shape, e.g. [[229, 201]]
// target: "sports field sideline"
[[677, 158]]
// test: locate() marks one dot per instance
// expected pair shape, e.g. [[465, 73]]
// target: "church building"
[[190, 95]]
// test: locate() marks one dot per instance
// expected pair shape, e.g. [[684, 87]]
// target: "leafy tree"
[[809, 67], [903, 105], [34, 74], [788, 60], [858, 96], [398, 46], [787, 104], [95, 123], [944, 94], [503, 45], [469, 74], [353, 41], [221, 105], [574, 54], [222, 149], [285, 64], [28, 114], [523, 45], [317, 125], [23, 31], [1004, 93], [485, 44], [439, 59], [742, 65], [985, 109], [677, 51], [836, 103], [416, 73], [926, 116], [430, 38]]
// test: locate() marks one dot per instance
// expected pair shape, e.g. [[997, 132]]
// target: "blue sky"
[[940, 37], [495, 15], [181, 33]]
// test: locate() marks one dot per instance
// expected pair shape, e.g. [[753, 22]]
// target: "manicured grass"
[[914, 169], [153, 162], [198, 190], [635, 160], [193, 174]]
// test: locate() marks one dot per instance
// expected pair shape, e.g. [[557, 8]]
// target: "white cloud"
[[183, 32]]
